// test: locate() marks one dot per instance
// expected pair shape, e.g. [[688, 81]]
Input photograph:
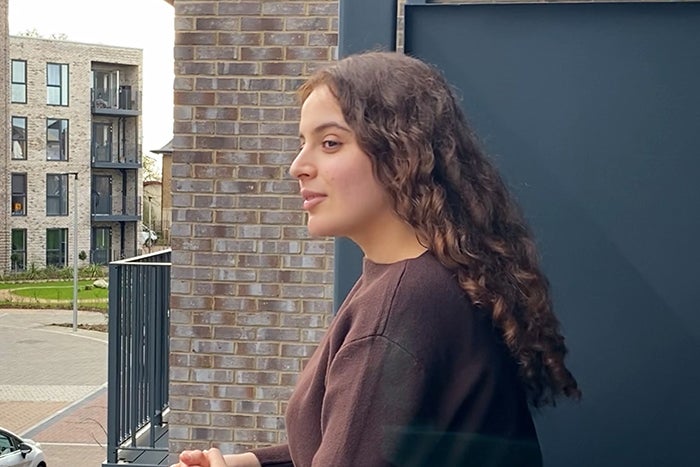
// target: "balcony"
[[104, 157], [118, 102], [137, 387], [108, 208]]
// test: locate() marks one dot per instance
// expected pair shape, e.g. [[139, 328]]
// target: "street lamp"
[[75, 250]]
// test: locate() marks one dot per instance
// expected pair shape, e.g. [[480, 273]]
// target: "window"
[[56, 251], [19, 249], [56, 194], [106, 88], [56, 139], [57, 84], [101, 194], [19, 137], [102, 142], [19, 81], [19, 194], [101, 245]]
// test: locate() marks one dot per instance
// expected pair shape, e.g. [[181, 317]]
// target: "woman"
[[448, 337]]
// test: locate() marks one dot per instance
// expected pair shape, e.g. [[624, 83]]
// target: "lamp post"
[[75, 250]]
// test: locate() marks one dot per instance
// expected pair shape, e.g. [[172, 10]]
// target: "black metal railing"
[[137, 386]]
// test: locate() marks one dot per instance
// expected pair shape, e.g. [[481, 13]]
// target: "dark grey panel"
[[592, 112]]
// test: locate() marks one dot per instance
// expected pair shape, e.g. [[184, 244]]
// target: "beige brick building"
[[4, 137], [74, 109]]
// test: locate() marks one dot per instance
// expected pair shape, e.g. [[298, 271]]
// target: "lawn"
[[53, 293]]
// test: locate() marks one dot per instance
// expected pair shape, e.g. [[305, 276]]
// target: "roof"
[[167, 149]]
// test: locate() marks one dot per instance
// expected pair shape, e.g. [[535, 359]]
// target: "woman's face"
[[341, 195]]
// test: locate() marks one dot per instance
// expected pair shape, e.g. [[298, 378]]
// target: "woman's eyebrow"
[[324, 126]]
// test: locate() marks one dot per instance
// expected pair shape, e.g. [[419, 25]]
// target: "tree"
[[152, 170], [57, 36]]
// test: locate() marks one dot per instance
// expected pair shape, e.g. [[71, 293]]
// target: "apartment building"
[[74, 163]]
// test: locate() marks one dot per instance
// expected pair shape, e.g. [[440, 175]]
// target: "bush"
[[91, 271]]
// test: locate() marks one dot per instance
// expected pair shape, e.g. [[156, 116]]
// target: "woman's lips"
[[311, 199]]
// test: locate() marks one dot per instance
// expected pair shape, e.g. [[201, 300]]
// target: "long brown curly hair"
[[407, 118]]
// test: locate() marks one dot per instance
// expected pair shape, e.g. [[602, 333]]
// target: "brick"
[[262, 53], [262, 24], [249, 38], [240, 8], [307, 53], [284, 38], [235, 186], [307, 24], [237, 421], [217, 24], [261, 84], [212, 434], [282, 69], [273, 8]]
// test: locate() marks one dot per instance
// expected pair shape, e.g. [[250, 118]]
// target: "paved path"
[[53, 383]]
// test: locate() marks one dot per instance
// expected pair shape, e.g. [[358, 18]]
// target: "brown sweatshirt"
[[408, 374]]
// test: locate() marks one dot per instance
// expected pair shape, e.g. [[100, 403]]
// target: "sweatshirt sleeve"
[[274, 456], [368, 404]]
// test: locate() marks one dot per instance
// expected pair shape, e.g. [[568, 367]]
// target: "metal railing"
[[137, 386]]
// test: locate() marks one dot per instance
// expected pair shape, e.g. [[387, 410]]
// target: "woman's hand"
[[194, 458], [213, 458]]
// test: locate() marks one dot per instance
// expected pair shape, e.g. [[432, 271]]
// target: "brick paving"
[[52, 383]]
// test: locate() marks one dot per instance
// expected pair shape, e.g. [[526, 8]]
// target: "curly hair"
[[407, 118]]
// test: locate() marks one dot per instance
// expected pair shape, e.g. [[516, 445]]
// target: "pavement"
[[53, 383]]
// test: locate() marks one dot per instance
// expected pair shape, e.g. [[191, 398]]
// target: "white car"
[[148, 236], [19, 452]]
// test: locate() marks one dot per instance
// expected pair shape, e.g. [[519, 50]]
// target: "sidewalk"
[[53, 383]]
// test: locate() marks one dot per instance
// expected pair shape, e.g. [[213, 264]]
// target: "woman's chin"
[[317, 230]]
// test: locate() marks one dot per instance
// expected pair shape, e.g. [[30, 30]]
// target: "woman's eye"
[[330, 144]]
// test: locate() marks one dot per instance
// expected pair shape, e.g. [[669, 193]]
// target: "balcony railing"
[[113, 208], [121, 101], [137, 387]]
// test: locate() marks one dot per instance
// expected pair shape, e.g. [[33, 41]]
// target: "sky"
[[143, 24]]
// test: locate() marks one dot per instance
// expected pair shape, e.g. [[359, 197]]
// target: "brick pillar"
[[251, 293]]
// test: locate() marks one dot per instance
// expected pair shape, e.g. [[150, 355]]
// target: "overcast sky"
[[143, 24]]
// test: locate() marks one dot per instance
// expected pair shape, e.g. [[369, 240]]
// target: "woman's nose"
[[301, 166]]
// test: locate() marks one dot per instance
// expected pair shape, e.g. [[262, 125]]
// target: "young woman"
[[448, 337]]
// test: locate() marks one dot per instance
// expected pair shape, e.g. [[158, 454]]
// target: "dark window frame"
[[18, 256], [18, 83], [19, 138], [18, 206], [57, 256], [57, 90], [58, 192], [60, 141]]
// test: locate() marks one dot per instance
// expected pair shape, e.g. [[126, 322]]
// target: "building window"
[[19, 137], [57, 84], [56, 194], [101, 245], [19, 250], [56, 139], [19, 194], [101, 194], [19, 81], [102, 142], [56, 251]]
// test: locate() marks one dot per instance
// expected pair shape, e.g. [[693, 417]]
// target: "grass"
[[54, 294]]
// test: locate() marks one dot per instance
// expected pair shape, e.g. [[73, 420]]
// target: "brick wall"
[[251, 293]]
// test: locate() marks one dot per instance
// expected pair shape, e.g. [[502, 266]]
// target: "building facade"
[[5, 138], [75, 155]]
